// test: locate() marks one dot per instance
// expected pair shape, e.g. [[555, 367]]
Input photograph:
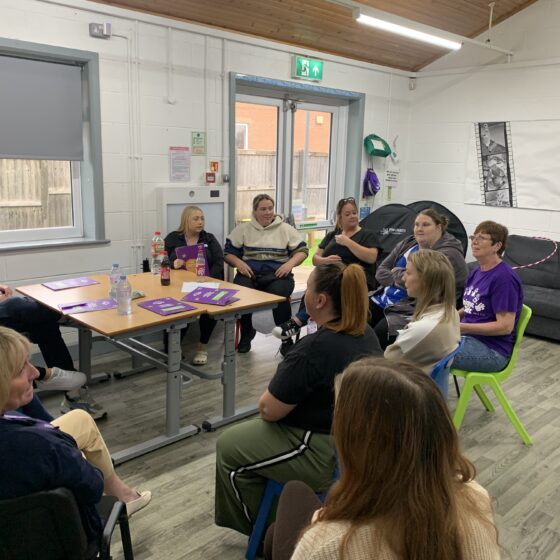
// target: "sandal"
[[200, 358]]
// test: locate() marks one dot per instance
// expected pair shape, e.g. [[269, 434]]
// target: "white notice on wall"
[[392, 177], [179, 164]]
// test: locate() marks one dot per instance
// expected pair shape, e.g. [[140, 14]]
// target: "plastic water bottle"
[[124, 296], [200, 263], [114, 277], [165, 270], [157, 247]]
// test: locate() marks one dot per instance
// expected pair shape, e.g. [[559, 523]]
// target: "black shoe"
[[286, 330], [244, 345], [286, 346]]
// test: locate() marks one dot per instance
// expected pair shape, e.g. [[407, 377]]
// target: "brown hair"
[[439, 219], [339, 206], [14, 352], [401, 466], [187, 212], [259, 198], [497, 232], [347, 288], [438, 283]]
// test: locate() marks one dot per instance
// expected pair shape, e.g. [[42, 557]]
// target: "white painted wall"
[[448, 100], [142, 115]]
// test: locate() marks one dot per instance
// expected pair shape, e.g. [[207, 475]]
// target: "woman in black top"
[[291, 438], [191, 232], [348, 243]]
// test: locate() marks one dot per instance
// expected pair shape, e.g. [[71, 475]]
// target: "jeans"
[[476, 356], [302, 314]]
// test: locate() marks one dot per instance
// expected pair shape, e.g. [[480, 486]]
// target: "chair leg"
[[272, 489], [457, 386], [125, 535], [462, 403], [513, 418], [483, 398]]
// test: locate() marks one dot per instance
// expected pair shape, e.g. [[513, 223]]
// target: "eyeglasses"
[[478, 238]]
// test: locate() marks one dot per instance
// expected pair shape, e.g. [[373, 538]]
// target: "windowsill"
[[19, 246]]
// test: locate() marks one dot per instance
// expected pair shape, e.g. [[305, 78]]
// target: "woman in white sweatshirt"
[[434, 330]]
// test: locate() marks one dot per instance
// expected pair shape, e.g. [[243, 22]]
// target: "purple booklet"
[[70, 283], [165, 306], [188, 253], [83, 306], [212, 296]]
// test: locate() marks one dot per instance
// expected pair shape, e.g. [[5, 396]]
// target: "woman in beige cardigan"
[[405, 491], [433, 332]]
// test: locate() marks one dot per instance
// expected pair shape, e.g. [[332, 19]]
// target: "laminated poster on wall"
[[179, 164], [514, 164]]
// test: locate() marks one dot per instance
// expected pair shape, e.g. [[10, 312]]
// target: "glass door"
[[289, 150], [258, 137]]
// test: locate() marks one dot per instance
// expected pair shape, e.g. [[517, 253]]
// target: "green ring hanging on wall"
[[376, 146]]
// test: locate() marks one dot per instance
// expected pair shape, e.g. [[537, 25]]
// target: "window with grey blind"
[[50, 146], [40, 110]]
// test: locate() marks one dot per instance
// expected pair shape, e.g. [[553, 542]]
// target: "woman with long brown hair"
[[405, 491], [291, 439]]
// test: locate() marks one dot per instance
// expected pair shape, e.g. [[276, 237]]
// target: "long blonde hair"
[[14, 352], [188, 211], [437, 283]]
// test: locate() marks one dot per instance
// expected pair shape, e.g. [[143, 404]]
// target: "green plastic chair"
[[475, 380]]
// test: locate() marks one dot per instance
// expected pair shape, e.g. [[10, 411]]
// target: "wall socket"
[[100, 30]]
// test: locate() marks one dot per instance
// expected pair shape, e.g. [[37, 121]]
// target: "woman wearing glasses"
[[392, 307], [492, 303], [348, 243]]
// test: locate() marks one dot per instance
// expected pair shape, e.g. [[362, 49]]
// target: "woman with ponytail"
[[291, 439]]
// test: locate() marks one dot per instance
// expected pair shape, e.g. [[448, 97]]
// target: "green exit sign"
[[307, 68]]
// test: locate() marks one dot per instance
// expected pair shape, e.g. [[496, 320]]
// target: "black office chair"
[[47, 525]]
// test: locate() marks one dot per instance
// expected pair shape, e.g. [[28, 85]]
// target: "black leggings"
[[279, 286], [379, 324]]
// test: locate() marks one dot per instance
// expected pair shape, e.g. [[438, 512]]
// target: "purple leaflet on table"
[[211, 296], [166, 306]]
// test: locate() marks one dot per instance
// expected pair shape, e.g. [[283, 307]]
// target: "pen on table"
[[73, 305]]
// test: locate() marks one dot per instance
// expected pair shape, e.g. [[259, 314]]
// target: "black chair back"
[[45, 525]]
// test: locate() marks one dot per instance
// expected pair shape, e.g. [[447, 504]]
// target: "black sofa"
[[541, 282]]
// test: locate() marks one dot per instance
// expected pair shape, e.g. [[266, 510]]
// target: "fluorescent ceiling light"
[[407, 31]]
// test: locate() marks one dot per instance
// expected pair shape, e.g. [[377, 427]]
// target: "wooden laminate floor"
[[178, 524]]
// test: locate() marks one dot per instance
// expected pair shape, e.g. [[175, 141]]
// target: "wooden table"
[[123, 330]]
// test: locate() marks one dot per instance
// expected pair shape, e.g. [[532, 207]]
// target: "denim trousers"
[[476, 356]]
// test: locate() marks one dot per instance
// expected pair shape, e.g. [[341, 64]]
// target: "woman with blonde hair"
[[191, 232], [433, 332], [406, 492], [68, 452], [291, 439]]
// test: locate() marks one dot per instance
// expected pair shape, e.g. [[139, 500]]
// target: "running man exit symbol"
[[307, 68]]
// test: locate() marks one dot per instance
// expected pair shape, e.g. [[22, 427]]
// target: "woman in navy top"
[[67, 452]]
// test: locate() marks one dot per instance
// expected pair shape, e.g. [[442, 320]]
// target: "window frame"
[[89, 180]]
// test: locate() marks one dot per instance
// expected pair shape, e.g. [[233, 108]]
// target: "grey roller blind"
[[40, 110]]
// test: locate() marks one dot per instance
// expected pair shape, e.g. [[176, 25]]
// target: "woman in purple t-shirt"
[[492, 302]]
